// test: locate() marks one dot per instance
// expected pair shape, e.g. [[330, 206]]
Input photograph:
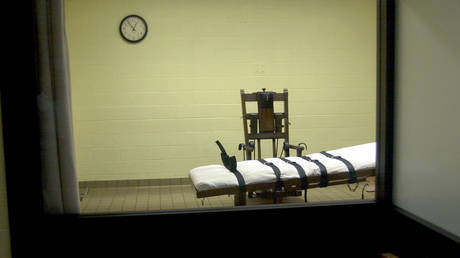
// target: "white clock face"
[[133, 28]]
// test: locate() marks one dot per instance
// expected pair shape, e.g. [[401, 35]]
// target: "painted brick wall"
[[154, 109]]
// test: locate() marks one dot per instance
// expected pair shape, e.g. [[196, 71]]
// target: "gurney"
[[348, 165]]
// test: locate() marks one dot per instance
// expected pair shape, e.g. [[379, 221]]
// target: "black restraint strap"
[[241, 182], [231, 164], [303, 176], [276, 170], [351, 169], [323, 181]]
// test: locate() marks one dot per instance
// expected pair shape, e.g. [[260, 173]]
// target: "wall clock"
[[133, 28]]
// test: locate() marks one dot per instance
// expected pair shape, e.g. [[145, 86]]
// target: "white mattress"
[[210, 177]]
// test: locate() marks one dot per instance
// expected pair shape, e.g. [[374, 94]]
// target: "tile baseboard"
[[135, 182]]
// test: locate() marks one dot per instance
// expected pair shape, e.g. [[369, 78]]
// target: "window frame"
[[20, 129]]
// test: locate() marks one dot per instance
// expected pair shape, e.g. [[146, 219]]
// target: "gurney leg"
[[276, 198], [240, 199]]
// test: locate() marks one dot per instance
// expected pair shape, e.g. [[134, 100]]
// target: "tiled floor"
[[171, 197]]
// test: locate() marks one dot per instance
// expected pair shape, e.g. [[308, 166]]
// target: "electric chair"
[[267, 125]]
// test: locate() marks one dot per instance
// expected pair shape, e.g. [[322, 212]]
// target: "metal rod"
[[259, 151]]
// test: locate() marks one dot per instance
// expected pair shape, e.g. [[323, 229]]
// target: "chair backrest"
[[266, 124]]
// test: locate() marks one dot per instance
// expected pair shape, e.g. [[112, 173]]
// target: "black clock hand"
[[129, 23]]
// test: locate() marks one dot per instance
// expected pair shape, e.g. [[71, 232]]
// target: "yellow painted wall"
[[154, 109]]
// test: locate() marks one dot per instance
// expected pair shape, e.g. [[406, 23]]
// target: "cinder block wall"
[[154, 109]]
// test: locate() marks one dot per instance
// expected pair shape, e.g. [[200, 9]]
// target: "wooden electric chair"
[[266, 125]]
